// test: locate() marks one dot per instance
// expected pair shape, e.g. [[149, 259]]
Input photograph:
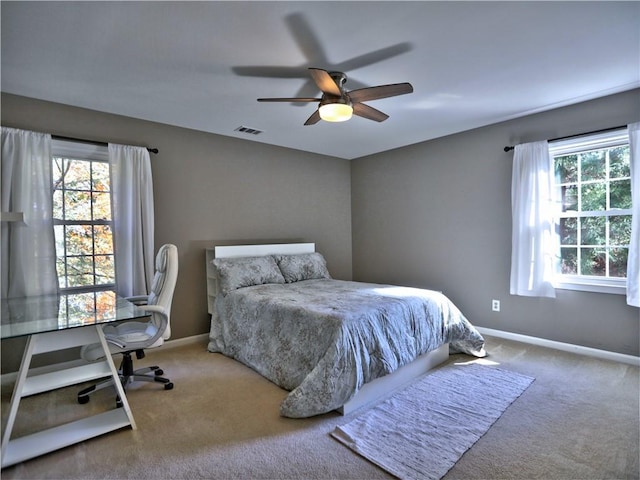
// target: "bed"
[[332, 344]]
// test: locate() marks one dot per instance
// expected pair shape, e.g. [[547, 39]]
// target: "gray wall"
[[438, 215], [211, 189]]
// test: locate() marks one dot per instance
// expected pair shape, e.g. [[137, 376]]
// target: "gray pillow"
[[241, 272], [303, 266]]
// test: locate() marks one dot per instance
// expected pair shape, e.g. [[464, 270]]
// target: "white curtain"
[[28, 246], [633, 262], [132, 194], [533, 240]]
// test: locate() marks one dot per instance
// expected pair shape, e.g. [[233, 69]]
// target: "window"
[[82, 216], [593, 184]]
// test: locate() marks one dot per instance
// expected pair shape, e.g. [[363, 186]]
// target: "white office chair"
[[129, 337]]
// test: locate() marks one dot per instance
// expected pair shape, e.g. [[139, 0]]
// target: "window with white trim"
[[593, 184], [82, 216]]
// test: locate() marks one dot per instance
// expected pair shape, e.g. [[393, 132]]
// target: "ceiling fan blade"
[[313, 119], [325, 83], [308, 89], [295, 99], [371, 113], [381, 91]]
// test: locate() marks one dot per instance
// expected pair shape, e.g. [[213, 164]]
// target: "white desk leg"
[[17, 392], [48, 440], [116, 377]]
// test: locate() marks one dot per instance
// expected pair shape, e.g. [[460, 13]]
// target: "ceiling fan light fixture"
[[335, 112], [337, 105]]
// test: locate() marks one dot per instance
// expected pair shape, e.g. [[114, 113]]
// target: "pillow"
[[241, 272], [303, 266]]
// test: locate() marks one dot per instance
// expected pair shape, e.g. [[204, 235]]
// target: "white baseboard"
[[179, 342], [566, 347]]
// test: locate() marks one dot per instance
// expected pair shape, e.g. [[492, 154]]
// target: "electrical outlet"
[[495, 305]]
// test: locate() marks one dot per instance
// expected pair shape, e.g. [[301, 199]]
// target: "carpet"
[[423, 430]]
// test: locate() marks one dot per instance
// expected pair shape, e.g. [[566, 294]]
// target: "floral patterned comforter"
[[323, 339]]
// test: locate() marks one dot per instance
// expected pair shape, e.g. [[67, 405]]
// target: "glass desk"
[[53, 323]]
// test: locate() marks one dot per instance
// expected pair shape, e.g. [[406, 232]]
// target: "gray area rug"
[[423, 430]]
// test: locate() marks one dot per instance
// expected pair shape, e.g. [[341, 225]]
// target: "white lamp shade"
[[335, 112]]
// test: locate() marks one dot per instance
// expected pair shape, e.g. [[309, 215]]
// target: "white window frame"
[[598, 141], [82, 151]]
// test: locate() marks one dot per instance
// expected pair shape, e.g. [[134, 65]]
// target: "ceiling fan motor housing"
[[340, 78]]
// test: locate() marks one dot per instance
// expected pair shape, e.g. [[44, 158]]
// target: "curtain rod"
[[509, 148], [82, 140]]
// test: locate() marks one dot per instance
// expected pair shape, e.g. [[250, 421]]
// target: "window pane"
[[593, 231], [619, 162], [79, 175], [58, 232], [62, 272], [618, 262], [105, 305], [80, 280], [594, 197], [593, 261], [80, 271], [620, 230], [566, 168], [620, 194], [105, 270], [593, 165], [62, 311], [101, 206], [101, 179], [568, 231], [570, 198], [80, 265], [103, 239], [57, 171], [58, 212], [79, 240], [77, 205], [80, 304], [569, 261]]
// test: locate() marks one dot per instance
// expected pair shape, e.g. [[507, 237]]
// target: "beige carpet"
[[578, 420], [421, 431]]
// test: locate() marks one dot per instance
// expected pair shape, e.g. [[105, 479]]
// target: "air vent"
[[252, 131]]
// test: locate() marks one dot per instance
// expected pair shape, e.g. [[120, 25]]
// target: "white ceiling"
[[202, 65]]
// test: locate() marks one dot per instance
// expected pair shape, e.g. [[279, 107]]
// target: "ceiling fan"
[[338, 104]]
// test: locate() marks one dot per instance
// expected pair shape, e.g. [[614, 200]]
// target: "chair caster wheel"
[[84, 399], [168, 386], [158, 372]]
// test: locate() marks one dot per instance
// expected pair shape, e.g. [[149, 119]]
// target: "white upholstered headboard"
[[228, 251]]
